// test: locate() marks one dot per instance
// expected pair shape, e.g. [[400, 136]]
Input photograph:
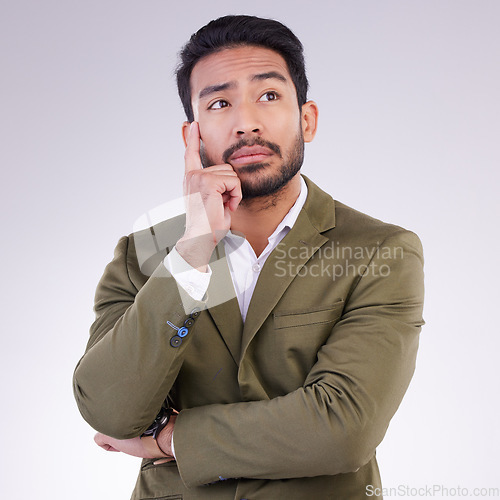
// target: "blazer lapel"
[[296, 248], [223, 305]]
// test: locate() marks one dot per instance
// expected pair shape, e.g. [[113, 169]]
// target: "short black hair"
[[235, 31]]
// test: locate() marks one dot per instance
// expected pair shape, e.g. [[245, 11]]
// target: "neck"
[[258, 218]]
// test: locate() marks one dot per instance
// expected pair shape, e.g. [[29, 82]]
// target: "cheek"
[[287, 122], [287, 132], [215, 138], [210, 148]]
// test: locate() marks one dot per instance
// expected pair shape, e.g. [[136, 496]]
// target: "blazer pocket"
[[158, 482], [308, 317], [292, 348]]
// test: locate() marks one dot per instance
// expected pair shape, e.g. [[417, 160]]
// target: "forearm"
[[145, 446], [329, 427]]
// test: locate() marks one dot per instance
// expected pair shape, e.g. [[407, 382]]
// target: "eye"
[[219, 104], [270, 96]]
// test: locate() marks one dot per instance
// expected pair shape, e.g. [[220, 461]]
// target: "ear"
[[309, 120], [185, 132]]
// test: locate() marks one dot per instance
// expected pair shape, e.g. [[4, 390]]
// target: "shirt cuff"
[[172, 446], [194, 282]]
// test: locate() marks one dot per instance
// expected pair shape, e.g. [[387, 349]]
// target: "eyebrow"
[[213, 89], [268, 75]]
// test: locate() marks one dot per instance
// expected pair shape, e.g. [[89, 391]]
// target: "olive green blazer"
[[289, 405]]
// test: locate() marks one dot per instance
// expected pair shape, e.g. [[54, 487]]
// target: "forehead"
[[236, 64]]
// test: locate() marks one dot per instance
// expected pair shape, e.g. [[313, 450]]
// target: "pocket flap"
[[308, 317]]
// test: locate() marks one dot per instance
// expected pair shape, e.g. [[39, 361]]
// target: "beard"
[[256, 182]]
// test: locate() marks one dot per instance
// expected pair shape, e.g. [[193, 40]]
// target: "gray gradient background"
[[408, 93]]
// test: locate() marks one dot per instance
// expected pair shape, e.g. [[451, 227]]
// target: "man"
[[280, 326]]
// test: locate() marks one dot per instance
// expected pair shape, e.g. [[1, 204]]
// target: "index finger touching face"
[[192, 154]]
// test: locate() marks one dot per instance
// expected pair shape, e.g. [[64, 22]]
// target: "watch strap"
[[167, 413], [150, 436]]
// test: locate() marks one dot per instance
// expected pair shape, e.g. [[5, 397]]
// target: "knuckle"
[[204, 181]]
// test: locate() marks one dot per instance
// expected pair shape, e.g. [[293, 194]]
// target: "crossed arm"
[[341, 412], [139, 447]]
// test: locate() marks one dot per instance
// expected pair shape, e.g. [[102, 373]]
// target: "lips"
[[250, 154]]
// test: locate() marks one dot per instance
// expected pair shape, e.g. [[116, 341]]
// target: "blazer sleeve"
[[333, 423], [130, 365]]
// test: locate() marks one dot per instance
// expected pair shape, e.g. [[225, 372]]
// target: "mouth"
[[250, 154]]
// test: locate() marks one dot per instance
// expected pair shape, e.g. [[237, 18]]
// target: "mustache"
[[244, 142]]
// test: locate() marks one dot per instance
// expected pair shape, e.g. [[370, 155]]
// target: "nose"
[[247, 121]]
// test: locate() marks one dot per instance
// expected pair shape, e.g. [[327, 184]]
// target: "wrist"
[[152, 447], [149, 438], [164, 439], [196, 250]]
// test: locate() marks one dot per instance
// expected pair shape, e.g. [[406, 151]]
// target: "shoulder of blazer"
[[337, 221]]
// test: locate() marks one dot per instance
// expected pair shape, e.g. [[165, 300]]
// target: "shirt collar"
[[290, 218]]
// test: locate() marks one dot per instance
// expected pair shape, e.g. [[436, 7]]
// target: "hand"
[[212, 194], [135, 446]]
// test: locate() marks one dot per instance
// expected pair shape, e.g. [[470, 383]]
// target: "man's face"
[[246, 105]]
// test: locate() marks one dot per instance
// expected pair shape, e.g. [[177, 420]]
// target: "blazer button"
[[182, 332], [195, 312], [175, 341], [189, 322]]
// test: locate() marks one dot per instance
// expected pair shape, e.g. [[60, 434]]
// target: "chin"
[[260, 188]]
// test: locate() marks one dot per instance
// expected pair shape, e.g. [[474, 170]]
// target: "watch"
[[150, 436]]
